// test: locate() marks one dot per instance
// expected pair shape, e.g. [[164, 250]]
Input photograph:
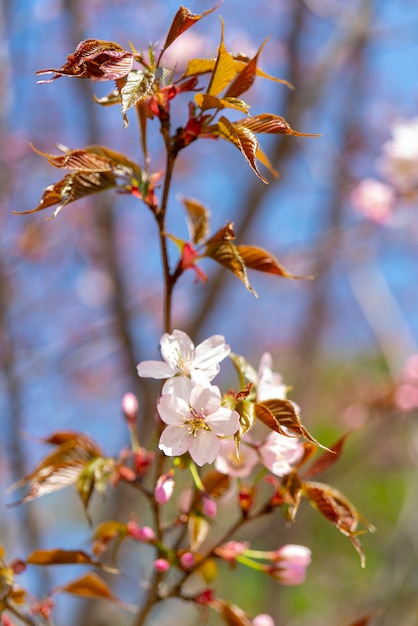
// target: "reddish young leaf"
[[339, 511], [262, 261], [233, 615], [292, 493], [243, 138], [224, 71], [366, 619], [244, 80], [216, 483], [89, 586], [72, 187], [182, 21], [327, 458], [57, 556], [281, 416], [271, 124], [95, 59], [225, 253]]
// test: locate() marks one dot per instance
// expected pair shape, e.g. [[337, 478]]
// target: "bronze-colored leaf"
[[339, 511], [365, 619], [56, 556], [89, 586], [62, 467], [72, 187], [226, 233], [243, 138], [233, 615], [225, 253], [270, 124], [198, 528], [182, 21], [262, 261], [197, 219], [292, 493], [327, 458], [92, 159], [95, 59], [244, 80], [282, 416], [105, 533], [216, 483]]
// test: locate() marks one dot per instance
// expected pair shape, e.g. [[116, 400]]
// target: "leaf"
[[205, 102], [72, 187], [133, 88], [292, 493], [271, 124], [105, 533], [94, 476], [233, 615], [216, 484], [182, 21], [282, 416], [244, 80], [365, 620], [198, 219], [327, 458], [221, 249], [62, 467], [224, 70], [262, 261], [89, 586], [95, 59], [243, 138], [339, 511], [198, 528], [245, 371], [56, 556], [92, 159]]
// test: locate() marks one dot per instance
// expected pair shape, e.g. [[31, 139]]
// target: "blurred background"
[[80, 296]]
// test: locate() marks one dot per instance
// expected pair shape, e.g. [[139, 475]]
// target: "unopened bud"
[[130, 407]]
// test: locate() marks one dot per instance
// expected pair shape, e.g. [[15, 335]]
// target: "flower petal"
[[173, 410], [204, 447], [223, 421], [177, 349], [210, 352], [175, 441], [155, 369]]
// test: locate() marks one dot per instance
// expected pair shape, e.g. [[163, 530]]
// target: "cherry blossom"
[[399, 162], [291, 562], [183, 361], [373, 199], [229, 463], [269, 384], [279, 453], [195, 419]]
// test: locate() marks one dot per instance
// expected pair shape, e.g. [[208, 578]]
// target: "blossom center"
[[196, 422]]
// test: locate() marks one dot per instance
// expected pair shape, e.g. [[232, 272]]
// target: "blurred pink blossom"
[[291, 562], [279, 453], [373, 199], [399, 162], [228, 463], [263, 620]]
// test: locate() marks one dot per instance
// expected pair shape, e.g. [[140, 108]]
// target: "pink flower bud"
[[187, 560], [209, 507], [130, 407], [230, 550], [290, 565], [164, 488], [144, 533], [161, 565], [263, 620]]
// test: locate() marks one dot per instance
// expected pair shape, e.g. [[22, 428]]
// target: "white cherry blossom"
[[182, 360], [195, 420]]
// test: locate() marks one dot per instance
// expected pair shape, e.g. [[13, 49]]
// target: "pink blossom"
[[209, 507], [269, 384], [183, 361], [187, 560], [373, 199], [164, 488], [291, 562], [130, 407], [161, 565], [399, 162], [263, 620], [406, 397], [231, 550], [279, 453], [230, 464], [140, 533], [195, 419]]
